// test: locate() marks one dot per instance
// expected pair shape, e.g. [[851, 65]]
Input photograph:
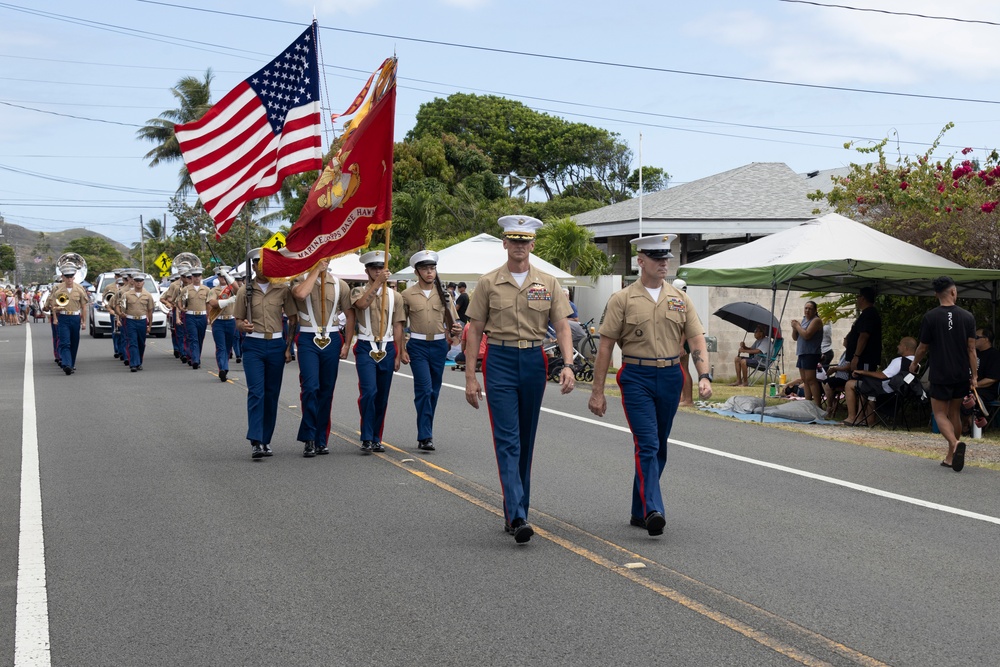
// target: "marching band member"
[[426, 306], [69, 319], [194, 298], [321, 347], [259, 307], [376, 359], [169, 299], [223, 297], [240, 336], [138, 317], [513, 305], [113, 289]]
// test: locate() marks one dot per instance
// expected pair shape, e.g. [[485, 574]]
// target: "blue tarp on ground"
[[768, 419]]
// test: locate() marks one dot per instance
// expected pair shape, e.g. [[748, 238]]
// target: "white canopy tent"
[[469, 260], [348, 267]]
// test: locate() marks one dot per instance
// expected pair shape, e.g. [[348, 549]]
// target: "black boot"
[[310, 449]]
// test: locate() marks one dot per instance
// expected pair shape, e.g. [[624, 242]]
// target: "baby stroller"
[[582, 366]]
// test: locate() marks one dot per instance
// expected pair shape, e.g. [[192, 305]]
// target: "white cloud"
[[842, 47]]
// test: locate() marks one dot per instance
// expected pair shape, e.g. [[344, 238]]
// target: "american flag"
[[263, 130]]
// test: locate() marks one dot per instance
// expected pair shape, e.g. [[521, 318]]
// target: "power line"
[[588, 61], [66, 115], [891, 13], [71, 181]]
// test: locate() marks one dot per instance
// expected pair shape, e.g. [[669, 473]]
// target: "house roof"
[[758, 198]]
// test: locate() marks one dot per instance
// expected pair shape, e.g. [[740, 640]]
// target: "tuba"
[[74, 260]]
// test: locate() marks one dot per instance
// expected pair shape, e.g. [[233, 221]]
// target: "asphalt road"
[[166, 545]]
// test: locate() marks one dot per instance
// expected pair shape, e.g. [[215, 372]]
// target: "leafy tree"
[[101, 254], [194, 96], [571, 248], [654, 179], [153, 229], [8, 260], [947, 208]]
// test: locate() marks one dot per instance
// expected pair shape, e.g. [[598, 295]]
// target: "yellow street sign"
[[165, 273], [163, 262], [276, 242]]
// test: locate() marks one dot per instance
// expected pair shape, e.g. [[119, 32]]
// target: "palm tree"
[[153, 230], [194, 96]]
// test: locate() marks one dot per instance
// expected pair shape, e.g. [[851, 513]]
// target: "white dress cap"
[[656, 246], [423, 257], [374, 257], [520, 227]]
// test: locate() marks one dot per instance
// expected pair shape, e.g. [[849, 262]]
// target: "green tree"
[[654, 179], [949, 206], [153, 229], [571, 248], [194, 97], [100, 254], [8, 260]]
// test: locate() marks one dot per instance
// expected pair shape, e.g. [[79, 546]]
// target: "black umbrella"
[[748, 316]]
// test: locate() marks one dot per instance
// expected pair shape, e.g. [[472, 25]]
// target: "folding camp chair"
[[890, 409], [772, 369]]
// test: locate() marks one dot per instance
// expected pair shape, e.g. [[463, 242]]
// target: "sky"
[[78, 79]]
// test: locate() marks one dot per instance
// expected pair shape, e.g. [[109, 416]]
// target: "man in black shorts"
[[949, 332]]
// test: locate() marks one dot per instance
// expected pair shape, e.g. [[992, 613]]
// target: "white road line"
[[774, 466], [31, 621], [801, 473]]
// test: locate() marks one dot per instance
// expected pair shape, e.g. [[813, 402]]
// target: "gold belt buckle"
[[522, 344]]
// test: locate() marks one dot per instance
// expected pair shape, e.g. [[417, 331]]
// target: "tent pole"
[[774, 298], [784, 307]]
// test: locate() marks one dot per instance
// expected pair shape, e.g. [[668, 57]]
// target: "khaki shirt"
[[138, 304], [426, 313], [398, 314], [509, 312], [171, 293], [197, 298], [649, 330], [228, 311], [341, 306], [78, 298], [266, 308]]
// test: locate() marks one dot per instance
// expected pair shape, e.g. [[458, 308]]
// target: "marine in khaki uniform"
[[221, 306], [650, 320], [194, 300], [427, 308], [324, 305], [259, 307], [138, 317], [117, 334], [376, 360], [69, 319], [169, 299], [512, 306]]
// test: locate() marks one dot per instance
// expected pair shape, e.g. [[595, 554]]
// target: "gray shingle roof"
[[757, 191]]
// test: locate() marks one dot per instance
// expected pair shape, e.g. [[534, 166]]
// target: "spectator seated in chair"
[[876, 383], [988, 375], [837, 376], [758, 352]]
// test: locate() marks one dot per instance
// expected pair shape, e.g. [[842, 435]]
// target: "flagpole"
[[640, 184], [385, 290]]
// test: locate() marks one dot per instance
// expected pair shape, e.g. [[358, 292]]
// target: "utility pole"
[[142, 243]]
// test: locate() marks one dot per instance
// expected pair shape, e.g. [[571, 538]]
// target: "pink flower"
[[947, 209], [989, 206], [966, 151], [940, 187], [904, 185], [861, 200]]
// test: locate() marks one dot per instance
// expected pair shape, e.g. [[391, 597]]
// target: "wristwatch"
[[705, 376]]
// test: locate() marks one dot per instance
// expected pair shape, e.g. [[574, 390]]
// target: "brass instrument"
[[62, 300], [109, 299], [74, 260]]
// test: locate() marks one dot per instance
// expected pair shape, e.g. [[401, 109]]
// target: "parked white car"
[[100, 317]]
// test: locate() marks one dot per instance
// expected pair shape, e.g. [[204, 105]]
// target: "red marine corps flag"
[[353, 194], [264, 129]]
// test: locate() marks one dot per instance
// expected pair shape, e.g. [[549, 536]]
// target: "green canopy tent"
[[837, 254]]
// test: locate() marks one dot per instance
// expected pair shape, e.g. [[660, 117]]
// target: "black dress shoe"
[[177, 355], [183, 359], [655, 523], [426, 445], [377, 446], [637, 522], [309, 450], [366, 446], [239, 360], [257, 450], [195, 366], [117, 356], [139, 367], [134, 369], [223, 375], [521, 530], [125, 361], [322, 449], [267, 450], [67, 370], [58, 363]]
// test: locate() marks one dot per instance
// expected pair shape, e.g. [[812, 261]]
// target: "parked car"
[[100, 317]]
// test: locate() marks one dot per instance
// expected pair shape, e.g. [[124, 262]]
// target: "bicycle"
[[587, 346]]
